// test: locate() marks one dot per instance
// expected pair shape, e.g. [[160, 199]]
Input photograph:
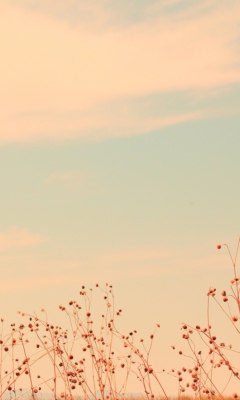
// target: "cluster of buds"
[[211, 292], [234, 281], [224, 296]]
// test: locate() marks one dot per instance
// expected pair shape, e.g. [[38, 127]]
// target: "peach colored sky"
[[56, 75], [119, 155]]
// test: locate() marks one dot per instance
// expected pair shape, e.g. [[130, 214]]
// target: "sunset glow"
[[119, 158]]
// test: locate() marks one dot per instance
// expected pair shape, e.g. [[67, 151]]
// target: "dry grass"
[[90, 361], [183, 397]]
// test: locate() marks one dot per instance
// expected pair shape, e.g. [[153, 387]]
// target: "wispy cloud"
[[112, 267], [54, 79], [15, 238], [31, 283]]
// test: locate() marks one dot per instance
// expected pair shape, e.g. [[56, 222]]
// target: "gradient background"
[[119, 156]]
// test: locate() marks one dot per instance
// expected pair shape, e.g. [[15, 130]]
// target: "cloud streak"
[[55, 76], [16, 238]]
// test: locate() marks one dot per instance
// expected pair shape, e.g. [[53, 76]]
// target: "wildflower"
[[211, 292]]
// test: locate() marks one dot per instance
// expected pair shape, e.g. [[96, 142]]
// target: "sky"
[[119, 156]]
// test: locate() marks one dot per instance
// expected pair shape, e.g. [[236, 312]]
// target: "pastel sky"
[[119, 156]]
